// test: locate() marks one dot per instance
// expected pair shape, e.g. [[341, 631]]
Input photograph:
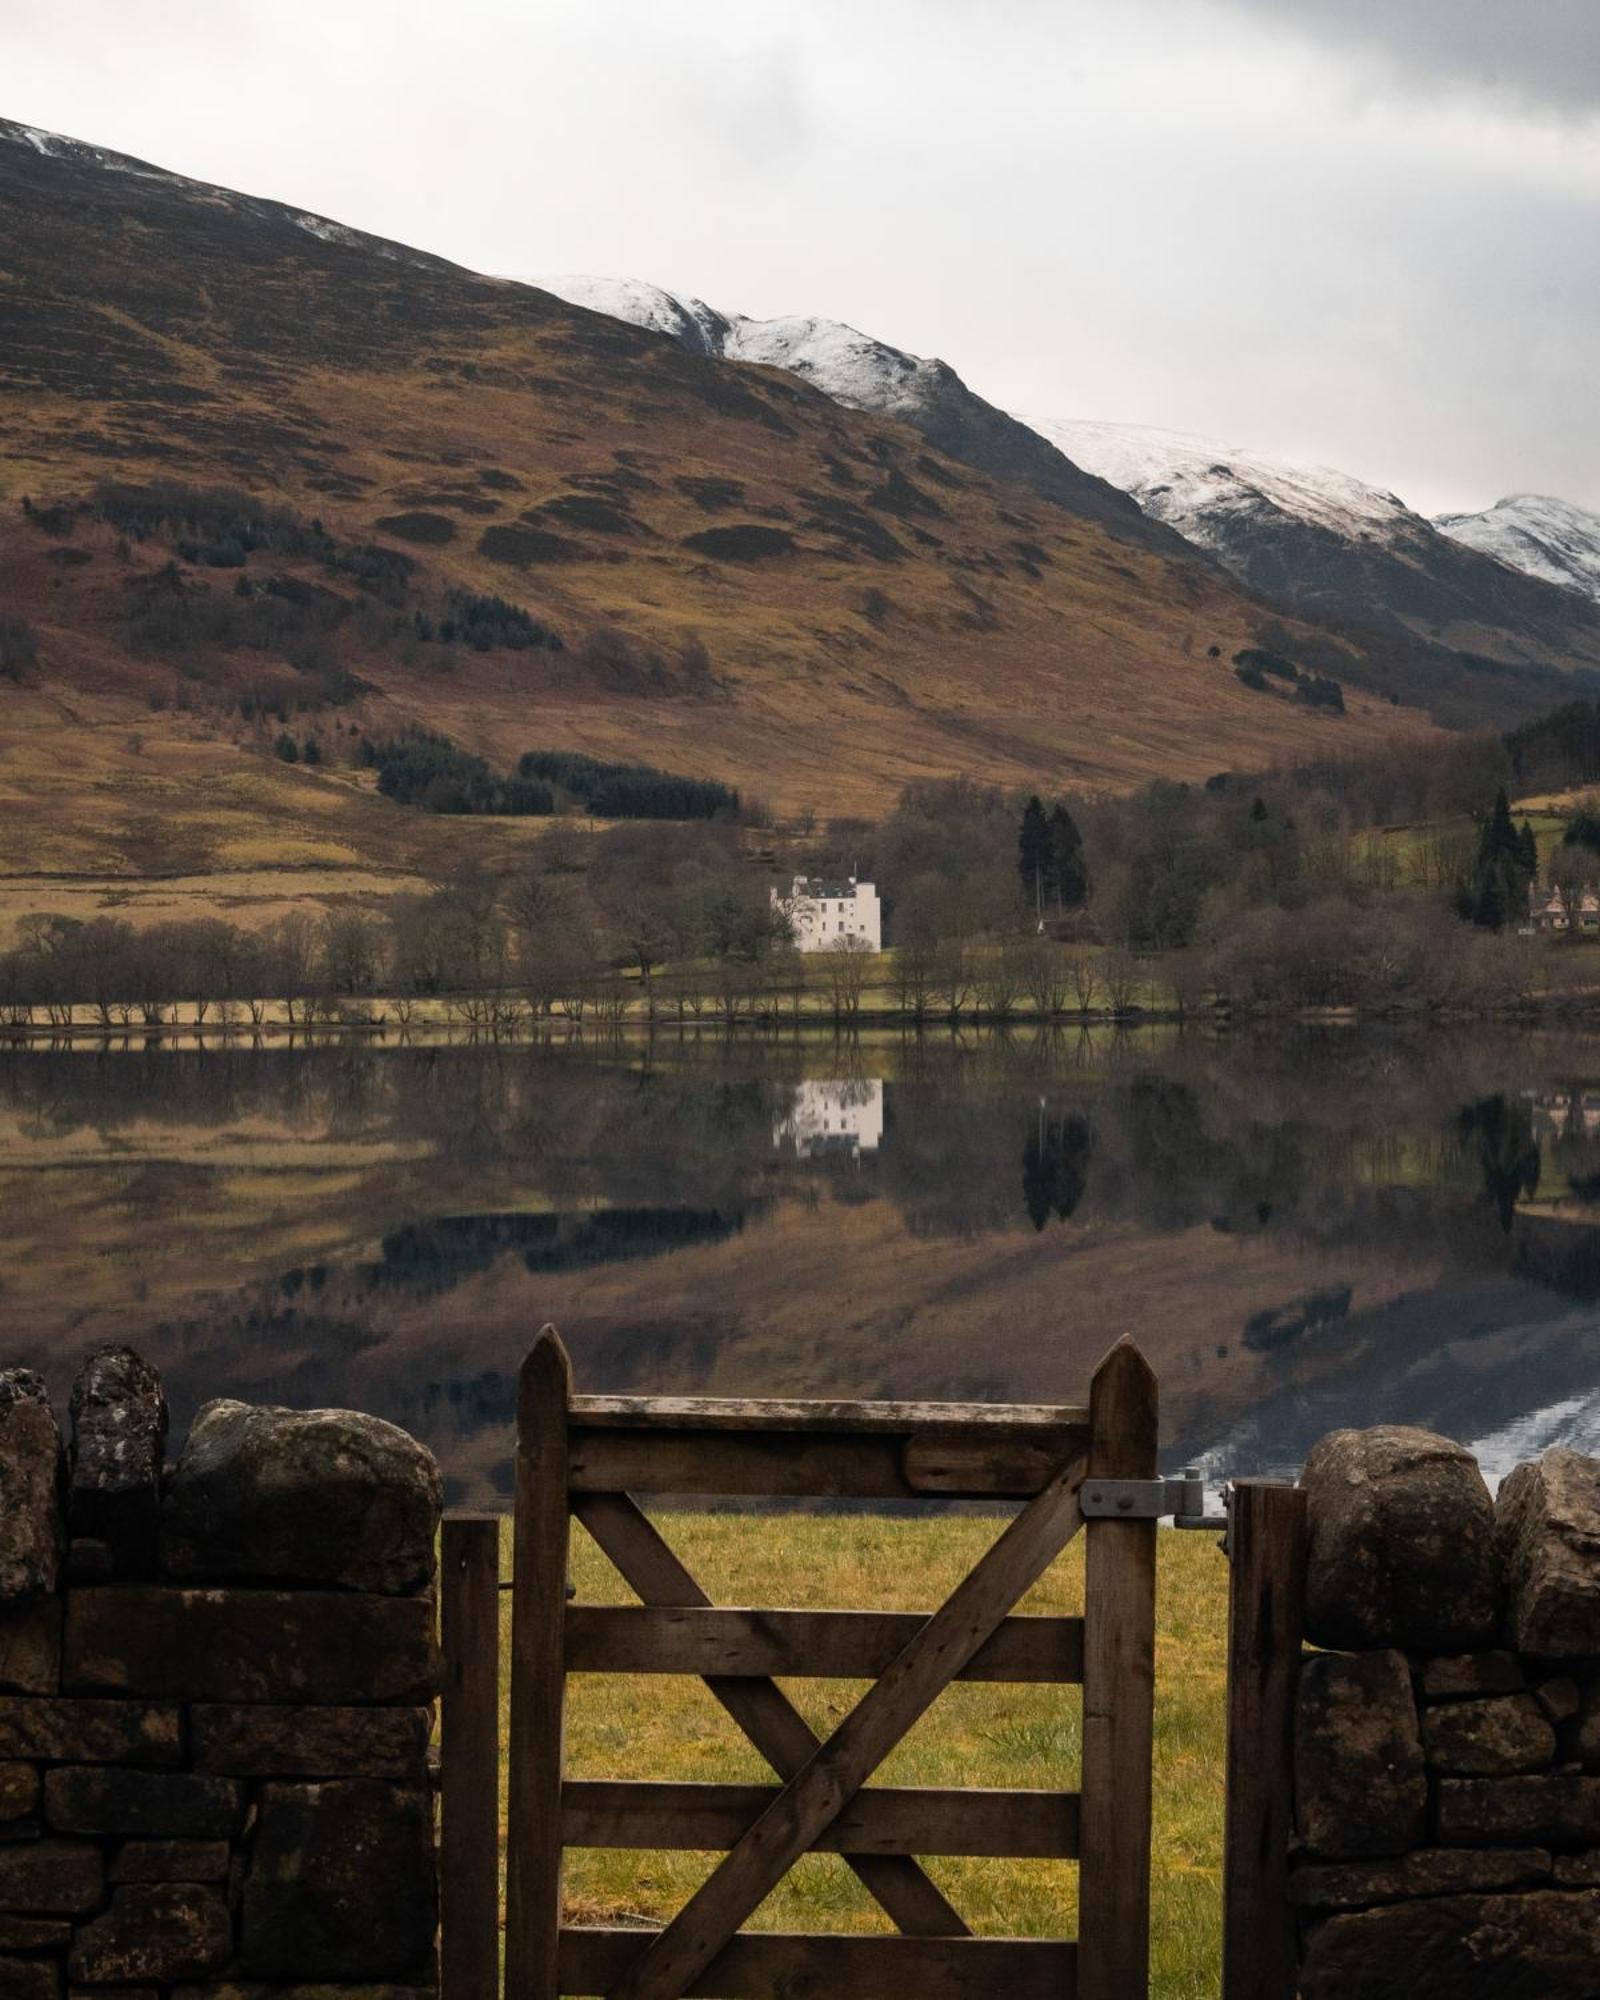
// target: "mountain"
[[866, 374], [1553, 539], [1464, 632], [1327, 546], [262, 474]]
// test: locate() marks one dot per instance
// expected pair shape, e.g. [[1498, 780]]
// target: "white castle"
[[831, 1115], [827, 916]]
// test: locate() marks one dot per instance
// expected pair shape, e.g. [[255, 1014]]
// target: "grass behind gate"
[[669, 1727]]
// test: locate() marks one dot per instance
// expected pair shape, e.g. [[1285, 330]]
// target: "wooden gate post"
[[538, 1673], [469, 1758], [1118, 1692], [1266, 1610]]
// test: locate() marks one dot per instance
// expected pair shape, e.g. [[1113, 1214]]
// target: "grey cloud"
[[1538, 54]]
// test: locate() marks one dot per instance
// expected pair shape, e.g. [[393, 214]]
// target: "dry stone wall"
[[1447, 1744], [216, 1688]]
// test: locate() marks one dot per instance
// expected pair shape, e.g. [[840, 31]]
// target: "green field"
[[1026, 1737]]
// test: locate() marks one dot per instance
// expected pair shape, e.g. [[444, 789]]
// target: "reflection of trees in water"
[[1499, 1133], [427, 1258], [1055, 1165]]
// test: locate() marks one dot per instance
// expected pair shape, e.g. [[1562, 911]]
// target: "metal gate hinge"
[[1150, 1500]]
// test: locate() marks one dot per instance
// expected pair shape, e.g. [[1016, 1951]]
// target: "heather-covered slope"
[[748, 581], [1446, 620]]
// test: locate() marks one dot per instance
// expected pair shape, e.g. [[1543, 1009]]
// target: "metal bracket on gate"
[[1183, 1498]]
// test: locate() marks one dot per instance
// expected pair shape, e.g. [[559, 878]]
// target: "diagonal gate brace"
[[837, 1770]]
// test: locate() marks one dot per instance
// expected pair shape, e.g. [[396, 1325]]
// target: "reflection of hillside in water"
[[1409, 1221]]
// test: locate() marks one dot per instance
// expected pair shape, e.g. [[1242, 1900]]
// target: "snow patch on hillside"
[[56, 146], [1549, 538], [851, 367], [1197, 485], [697, 326]]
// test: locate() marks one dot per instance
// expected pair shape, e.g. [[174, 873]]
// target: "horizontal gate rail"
[[884, 1819], [757, 1965], [824, 1464], [820, 1645], [586, 1457]]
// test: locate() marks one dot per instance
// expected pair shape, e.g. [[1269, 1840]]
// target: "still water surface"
[[1303, 1230]]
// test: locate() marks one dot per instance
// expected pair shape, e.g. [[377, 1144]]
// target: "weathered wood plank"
[[764, 1712], [738, 1414], [1008, 1464], [1266, 1610], [823, 1465], [826, 1645], [868, 1465], [538, 1680], [759, 1964], [469, 1757], [815, 1797], [1118, 1693], [879, 1820]]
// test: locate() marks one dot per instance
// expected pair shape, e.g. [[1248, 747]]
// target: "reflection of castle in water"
[[1569, 1112], [833, 1115]]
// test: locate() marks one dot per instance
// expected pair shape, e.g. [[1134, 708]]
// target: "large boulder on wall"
[[323, 1497], [1401, 1543], [30, 1488], [1547, 1525]]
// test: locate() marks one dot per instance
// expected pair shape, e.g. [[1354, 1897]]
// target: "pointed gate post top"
[[546, 1374], [1123, 1406]]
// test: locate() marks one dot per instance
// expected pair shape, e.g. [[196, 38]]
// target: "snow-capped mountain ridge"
[[851, 367], [1537, 533], [863, 373], [1193, 483], [1443, 619]]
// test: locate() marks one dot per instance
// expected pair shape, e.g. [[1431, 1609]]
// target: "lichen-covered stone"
[[30, 1645], [1488, 1739], [30, 1488], [302, 1496], [1551, 1809], [29, 1979], [315, 1989], [1401, 1543], [276, 1742], [1583, 1739], [119, 1438], [34, 1934], [171, 1861], [1465, 1676], [51, 1878], [90, 1731], [340, 1883], [1426, 1871], [19, 1790], [1360, 1783], [1544, 1945], [97, 1798], [1560, 1699], [160, 1931], [279, 1646], [1547, 1528]]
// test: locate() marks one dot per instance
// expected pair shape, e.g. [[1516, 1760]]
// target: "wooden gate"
[[590, 1456]]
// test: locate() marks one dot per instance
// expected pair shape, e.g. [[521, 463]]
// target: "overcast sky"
[[1356, 231]]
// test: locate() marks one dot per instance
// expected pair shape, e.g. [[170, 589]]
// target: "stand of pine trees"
[[1050, 861], [1496, 891]]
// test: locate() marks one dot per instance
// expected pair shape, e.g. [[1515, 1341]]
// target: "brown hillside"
[[868, 610]]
